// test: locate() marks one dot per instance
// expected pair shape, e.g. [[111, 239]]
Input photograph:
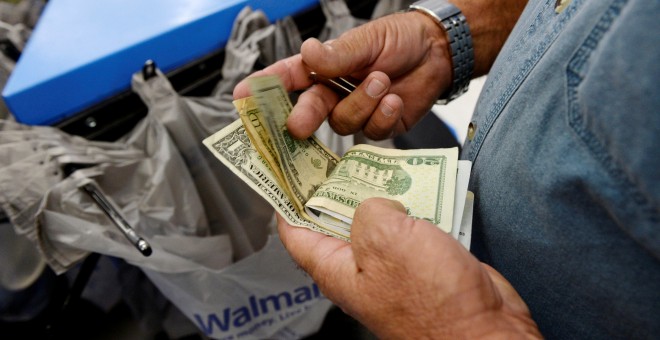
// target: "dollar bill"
[[422, 180], [259, 136], [312, 187], [233, 148], [304, 164], [255, 128]]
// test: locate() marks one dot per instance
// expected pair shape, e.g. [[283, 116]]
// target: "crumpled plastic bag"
[[242, 51], [17, 18], [263, 295], [385, 7], [231, 207], [146, 179], [142, 174]]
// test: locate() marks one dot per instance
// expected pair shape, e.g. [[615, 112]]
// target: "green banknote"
[[423, 180]]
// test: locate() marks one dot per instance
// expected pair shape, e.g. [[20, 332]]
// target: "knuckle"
[[377, 133], [340, 126]]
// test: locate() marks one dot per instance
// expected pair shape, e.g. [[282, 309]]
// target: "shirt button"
[[472, 129]]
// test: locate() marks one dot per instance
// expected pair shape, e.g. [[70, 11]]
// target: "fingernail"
[[387, 110], [375, 88]]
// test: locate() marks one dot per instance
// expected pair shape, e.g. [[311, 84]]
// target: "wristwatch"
[[460, 41]]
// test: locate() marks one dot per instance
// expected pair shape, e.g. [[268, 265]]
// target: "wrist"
[[458, 42], [490, 26]]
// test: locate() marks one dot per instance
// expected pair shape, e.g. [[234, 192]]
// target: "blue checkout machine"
[[76, 68]]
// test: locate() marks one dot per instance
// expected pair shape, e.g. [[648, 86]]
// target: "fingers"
[[369, 108], [398, 62], [293, 73], [310, 111], [324, 58], [338, 57], [351, 113], [386, 121]]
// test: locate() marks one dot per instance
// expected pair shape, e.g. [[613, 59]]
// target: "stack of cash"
[[312, 187]]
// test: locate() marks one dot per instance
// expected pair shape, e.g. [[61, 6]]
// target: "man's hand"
[[405, 278], [403, 61], [401, 58]]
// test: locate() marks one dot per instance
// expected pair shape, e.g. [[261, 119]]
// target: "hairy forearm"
[[490, 24]]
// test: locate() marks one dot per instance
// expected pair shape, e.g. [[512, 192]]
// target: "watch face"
[[439, 9]]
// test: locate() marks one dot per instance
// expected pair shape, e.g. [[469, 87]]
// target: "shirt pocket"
[[615, 119]]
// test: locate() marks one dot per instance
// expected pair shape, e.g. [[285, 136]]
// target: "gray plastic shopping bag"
[[262, 295], [26, 12], [242, 52], [142, 174], [338, 19], [385, 7], [17, 18], [231, 207]]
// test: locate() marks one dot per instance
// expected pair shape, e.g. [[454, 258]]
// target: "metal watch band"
[[460, 42]]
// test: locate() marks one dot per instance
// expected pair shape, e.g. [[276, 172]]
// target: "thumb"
[[378, 228], [340, 57], [383, 234]]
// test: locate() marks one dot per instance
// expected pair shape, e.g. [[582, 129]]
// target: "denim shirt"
[[566, 167]]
